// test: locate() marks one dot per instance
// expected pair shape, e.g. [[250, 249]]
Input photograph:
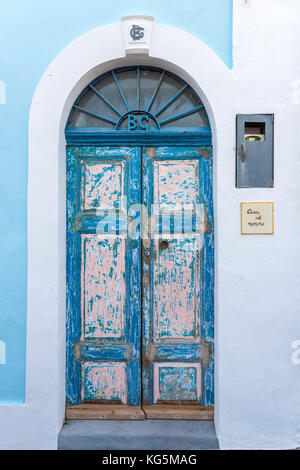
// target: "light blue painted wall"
[[32, 33]]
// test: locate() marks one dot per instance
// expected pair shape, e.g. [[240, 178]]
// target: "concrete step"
[[158, 434]]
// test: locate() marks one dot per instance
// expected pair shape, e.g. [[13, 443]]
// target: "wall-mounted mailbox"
[[254, 151]]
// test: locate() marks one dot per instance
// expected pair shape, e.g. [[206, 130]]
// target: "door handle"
[[244, 152], [147, 253]]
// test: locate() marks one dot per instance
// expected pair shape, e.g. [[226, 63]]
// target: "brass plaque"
[[257, 218]]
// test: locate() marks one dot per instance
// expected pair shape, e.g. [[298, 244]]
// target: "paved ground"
[[135, 435]]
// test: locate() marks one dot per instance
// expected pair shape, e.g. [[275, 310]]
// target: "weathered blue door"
[[103, 276], [178, 279], [140, 280], [140, 261]]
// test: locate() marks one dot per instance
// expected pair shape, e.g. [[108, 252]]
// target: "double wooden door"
[[140, 274]]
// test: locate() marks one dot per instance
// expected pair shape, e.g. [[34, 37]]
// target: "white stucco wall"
[[257, 277], [258, 280]]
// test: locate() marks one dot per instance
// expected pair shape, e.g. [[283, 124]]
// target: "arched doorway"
[[140, 264]]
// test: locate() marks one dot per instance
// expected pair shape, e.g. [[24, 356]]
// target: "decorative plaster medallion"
[[137, 33]]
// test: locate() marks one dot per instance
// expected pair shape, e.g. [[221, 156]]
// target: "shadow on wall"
[[2, 92], [2, 352]]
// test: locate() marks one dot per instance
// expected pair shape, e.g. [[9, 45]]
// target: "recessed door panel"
[[176, 382], [102, 185], [103, 286], [105, 381], [176, 285], [175, 185]]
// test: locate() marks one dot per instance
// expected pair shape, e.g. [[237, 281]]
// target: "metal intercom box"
[[254, 151]]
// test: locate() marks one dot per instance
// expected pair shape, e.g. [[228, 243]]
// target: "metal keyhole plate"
[[164, 244]]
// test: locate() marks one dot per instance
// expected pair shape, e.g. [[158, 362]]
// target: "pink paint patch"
[[175, 185], [176, 308], [102, 185], [106, 381], [103, 286]]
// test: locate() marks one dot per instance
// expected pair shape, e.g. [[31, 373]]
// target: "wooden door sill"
[[88, 411], [179, 412], [98, 412]]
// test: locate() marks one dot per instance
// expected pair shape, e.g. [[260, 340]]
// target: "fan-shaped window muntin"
[[138, 99]]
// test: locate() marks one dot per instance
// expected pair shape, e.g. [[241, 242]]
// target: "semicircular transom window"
[[138, 99]]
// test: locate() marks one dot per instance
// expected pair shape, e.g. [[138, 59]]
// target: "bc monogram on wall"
[[136, 32]]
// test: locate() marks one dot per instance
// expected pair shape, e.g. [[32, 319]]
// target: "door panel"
[[176, 270], [175, 184], [103, 276], [103, 286], [106, 381], [177, 357], [176, 381]]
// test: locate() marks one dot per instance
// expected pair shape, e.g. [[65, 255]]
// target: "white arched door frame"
[[84, 59]]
